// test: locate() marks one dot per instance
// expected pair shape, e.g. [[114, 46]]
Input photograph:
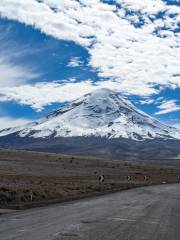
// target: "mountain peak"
[[104, 99], [102, 92], [101, 113]]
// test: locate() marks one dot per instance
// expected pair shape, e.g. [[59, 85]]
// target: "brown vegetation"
[[32, 179]]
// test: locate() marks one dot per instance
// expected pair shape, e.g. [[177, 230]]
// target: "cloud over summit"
[[134, 45]]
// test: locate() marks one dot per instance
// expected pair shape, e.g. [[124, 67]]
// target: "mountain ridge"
[[101, 113]]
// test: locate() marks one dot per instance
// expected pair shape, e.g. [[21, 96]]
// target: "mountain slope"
[[101, 113]]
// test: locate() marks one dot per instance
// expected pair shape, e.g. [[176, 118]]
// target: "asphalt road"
[[148, 213]]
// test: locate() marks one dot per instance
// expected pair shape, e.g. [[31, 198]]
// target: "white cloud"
[[74, 62], [41, 94], [145, 6], [7, 122], [12, 73], [45, 93], [135, 60], [146, 101], [167, 107]]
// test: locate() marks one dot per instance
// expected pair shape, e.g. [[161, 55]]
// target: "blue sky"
[[53, 51]]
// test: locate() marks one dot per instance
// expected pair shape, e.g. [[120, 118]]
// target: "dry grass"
[[32, 179]]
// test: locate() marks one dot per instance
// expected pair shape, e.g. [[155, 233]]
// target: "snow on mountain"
[[101, 113]]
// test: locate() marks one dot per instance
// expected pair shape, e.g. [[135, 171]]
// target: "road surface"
[[148, 213]]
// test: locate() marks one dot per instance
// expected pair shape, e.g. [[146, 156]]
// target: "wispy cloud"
[[13, 71], [137, 51], [75, 62], [14, 74], [167, 107], [7, 122], [146, 101], [42, 94]]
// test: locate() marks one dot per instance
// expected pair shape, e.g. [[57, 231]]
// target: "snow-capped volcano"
[[102, 113]]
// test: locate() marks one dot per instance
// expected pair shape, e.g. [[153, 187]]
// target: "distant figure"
[[178, 178], [31, 195], [146, 178], [101, 178], [129, 178]]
